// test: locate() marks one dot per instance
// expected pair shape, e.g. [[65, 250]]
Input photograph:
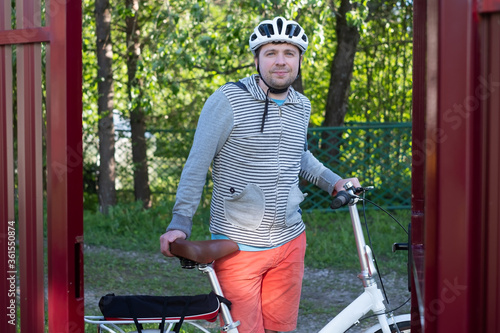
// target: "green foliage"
[[189, 48], [382, 76], [357, 16]]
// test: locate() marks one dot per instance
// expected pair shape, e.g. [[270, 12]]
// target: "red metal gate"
[[61, 37], [456, 163]]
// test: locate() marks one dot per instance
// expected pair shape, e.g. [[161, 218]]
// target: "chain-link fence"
[[378, 154]]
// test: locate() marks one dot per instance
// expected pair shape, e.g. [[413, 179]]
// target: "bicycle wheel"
[[404, 327]]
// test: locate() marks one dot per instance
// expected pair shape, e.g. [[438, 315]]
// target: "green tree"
[[186, 49], [105, 90], [135, 89], [382, 75], [347, 34]]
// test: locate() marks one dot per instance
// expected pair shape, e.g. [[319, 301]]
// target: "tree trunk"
[[342, 67], [107, 191], [137, 117], [340, 78]]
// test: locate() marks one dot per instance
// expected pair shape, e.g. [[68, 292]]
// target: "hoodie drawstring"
[[264, 116]]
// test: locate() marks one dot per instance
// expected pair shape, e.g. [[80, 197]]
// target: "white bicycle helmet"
[[278, 30]]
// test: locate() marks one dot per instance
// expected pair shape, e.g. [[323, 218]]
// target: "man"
[[255, 134]]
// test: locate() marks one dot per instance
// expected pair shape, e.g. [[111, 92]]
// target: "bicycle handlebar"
[[348, 196], [340, 200]]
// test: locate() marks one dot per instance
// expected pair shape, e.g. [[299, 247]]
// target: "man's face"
[[279, 64]]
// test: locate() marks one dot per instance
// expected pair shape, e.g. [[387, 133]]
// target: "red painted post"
[[65, 164], [418, 160], [30, 176], [453, 173], [8, 273], [430, 181], [29, 126], [489, 297]]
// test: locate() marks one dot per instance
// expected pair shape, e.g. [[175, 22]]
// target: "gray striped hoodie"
[[256, 197]]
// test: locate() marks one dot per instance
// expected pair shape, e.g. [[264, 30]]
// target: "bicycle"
[[200, 255]]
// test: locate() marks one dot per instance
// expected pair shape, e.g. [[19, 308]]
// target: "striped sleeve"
[[316, 173], [214, 125]]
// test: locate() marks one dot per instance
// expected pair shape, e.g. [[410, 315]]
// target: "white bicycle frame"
[[229, 325], [370, 300]]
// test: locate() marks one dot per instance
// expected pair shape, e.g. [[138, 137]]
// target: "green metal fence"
[[378, 154]]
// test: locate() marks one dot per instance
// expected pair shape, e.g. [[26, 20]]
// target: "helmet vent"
[[279, 23], [292, 30], [266, 30]]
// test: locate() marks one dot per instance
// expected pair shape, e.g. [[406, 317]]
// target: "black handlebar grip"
[[341, 199]]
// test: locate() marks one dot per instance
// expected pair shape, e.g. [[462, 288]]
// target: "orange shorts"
[[264, 287]]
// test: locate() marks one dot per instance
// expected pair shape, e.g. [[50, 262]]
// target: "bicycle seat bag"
[[136, 307]]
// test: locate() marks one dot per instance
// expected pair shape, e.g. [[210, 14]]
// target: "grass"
[[330, 235], [130, 227], [122, 250], [331, 242]]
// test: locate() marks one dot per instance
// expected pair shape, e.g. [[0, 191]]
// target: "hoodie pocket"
[[293, 211], [246, 209]]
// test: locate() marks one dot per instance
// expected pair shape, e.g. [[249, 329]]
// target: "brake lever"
[[358, 190]]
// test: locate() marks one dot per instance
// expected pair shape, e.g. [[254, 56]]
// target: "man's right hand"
[[169, 237]]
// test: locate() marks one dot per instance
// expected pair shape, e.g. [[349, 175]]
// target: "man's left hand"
[[339, 186]]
